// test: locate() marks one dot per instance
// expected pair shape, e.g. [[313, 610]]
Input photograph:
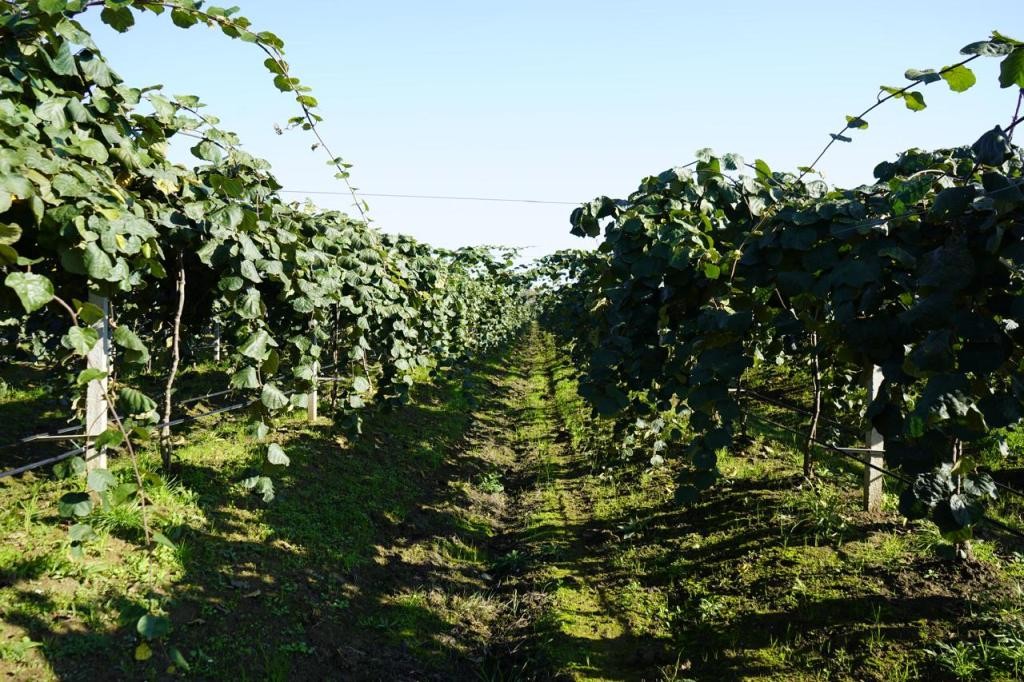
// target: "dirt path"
[[574, 628], [495, 581]]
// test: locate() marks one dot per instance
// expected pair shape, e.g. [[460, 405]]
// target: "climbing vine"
[[710, 272], [91, 206]]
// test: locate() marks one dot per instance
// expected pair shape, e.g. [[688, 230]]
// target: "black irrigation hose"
[[50, 434], [204, 397], [40, 436], [834, 448], [1003, 486], [76, 451], [795, 408], [41, 463], [1017, 533]]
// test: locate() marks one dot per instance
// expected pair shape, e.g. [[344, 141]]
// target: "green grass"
[[500, 535], [248, 586], [766, 576]]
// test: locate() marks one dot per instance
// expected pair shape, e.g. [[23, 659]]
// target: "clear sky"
[[565, 100]]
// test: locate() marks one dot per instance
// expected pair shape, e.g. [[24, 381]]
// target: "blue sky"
[[568, 100]]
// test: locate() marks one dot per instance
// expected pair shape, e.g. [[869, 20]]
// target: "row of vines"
[[100, 231], [711, 277]]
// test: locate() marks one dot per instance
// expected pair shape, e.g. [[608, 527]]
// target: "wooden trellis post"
[[96, 391], [216, 342], [311, 404], [874, 454]]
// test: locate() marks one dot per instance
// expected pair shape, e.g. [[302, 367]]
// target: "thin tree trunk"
[[962, 549], [165, 431], [334, 359], [812, 432]]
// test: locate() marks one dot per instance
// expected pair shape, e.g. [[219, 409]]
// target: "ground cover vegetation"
[[336, 453]]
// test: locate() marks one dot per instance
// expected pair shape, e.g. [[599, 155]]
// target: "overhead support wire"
[[441, 197]]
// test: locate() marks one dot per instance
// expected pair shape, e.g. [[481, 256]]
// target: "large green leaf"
[[1011, 69], [207, 151], [135, 350], [245, 378], [53, 6], [959, 78], [153, 627], [74, 504], [34, 291], [97, 263], [136, 402], [118, 18], [80, 340], [101, 480], [273, 397], [276, 456], [256, 346]]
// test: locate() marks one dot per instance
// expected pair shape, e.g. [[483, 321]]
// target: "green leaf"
[[95, 69], [74, 504], [273, 397], [230, 283], [121, 493], [732, 161], [97, 263], [276, 456], [135, 350], [704, 154], [259, 431], [80, 340], [959, 78], [33, 290], [112, 437], [69, 468], [81, 532], [16, 185], [100, 480], [93, 149], [992, 148], [182, 18], [118, 18], [987, 48], [255, 346], [143, 652], [53, 6], [153, 627], [9, 233], [764, 173], [91, 374], [248, 305], [361, 385], [88, 313], [161, 539], [914, 101], [856, 122], [712, 271], [126, 338], [177, 659], [951, 202], [245, 378], [136, 401], [207, 151], [1011, 69], [923, 75], [249, 271]]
